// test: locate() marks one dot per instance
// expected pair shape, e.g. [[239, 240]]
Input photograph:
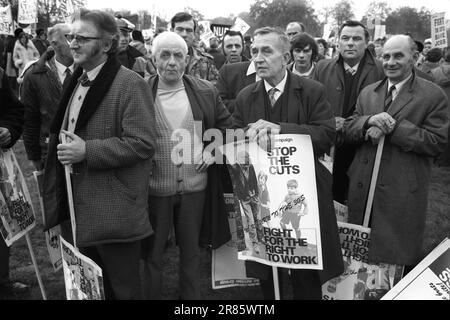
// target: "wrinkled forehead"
[[353, 31], [397, 45], [271, 40], [172, 47], [83, 27]]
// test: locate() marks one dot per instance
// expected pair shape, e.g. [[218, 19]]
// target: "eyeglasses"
[[79, 39]]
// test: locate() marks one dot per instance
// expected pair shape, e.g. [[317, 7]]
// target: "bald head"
[[398, 57], [294, 28]]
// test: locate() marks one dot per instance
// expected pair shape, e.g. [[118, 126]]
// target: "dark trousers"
[[120, 266], [185, 213], [306, 284], [343, 158], [4, 262]]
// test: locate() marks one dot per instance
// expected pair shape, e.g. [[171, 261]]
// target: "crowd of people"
[[98, 97]]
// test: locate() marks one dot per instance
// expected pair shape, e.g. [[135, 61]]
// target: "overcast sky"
[[216, 8]]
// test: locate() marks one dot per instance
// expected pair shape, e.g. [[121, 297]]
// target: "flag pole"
[[276, 284]]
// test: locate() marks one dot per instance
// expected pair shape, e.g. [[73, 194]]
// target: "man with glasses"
[[41, 91], [200, 64], [344, 77], [107, 115]]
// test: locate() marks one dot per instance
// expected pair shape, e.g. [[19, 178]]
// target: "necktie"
[[272, 96], [389, 97], [84, 80], [351, 71], [67, 78]]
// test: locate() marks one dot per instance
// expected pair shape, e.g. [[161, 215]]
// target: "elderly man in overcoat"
[[107, 114], [412, 115], [285, 103]]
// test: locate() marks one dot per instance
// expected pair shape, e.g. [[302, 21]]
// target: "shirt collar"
[[94, 72], [399, 85], [251, 70], [355, 67], [306, 74], [62, 68], [279, 86]]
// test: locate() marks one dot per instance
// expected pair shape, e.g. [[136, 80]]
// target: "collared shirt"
[[352, 70], [279, 86], [398, 86], [251, 70], [62, 70], [77, 99], [306, 74]]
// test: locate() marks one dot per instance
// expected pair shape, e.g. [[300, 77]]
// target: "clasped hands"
[[379, 125]]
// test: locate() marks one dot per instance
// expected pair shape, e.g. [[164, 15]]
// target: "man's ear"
[[286, 57]]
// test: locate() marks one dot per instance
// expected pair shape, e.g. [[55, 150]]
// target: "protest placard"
[[429, 280], [83, 278], [27, 13], [52, 235], [241, 26], [360, 280], [226, 270], [17, 212], [219, 29], [279, 209], [438, 30], [5, 20]]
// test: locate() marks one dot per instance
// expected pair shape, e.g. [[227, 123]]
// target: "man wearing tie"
[[412, 115], [41, 91], [287, 104], [109, 147]]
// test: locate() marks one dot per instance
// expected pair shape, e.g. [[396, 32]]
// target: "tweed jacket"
[[110, 186], [232, 79], [307, 112], [40, 93], [208, 108], [330, 73], [401, 194], [11, 110]]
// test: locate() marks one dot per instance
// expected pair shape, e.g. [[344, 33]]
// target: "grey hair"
[[60, 28], [169, 37], [286, 45]]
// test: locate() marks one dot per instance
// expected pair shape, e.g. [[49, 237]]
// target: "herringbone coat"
[[110, 186]]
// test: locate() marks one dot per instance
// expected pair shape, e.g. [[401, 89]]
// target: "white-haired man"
[[179, 178]]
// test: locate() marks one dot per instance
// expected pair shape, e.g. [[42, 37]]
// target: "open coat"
[[110, 186], [307, 112], [401, 194]]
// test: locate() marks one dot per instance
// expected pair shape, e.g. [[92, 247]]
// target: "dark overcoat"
[[307, 112], [401, 194]]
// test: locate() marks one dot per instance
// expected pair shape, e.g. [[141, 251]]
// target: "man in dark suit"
[[287, 104], [412, 114], [11, 121], [233, 78], [344, 77], [110, 144]]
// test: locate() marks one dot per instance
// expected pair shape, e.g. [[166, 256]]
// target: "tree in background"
[[376, 13], [278, 13], [410, 20], [195, 13], [342, 11]]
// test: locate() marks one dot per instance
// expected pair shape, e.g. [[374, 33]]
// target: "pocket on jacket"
[[122, 188]]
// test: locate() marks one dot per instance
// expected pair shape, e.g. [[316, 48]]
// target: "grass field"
[[21, 268]]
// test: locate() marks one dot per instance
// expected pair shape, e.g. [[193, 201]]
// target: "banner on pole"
[[360, 280], [429, 280], [17, 212], [275, 193], [5, 20], [438, 30], [82, 276], [27, 12], [227, 271]]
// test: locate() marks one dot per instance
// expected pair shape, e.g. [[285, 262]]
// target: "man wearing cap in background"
[[432, 60], [40, 41], [129, 56], [216, 53], [200, 64], [41, 91]]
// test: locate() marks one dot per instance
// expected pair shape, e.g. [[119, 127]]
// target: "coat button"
[[366, 161], [360, 185], [338, 88]]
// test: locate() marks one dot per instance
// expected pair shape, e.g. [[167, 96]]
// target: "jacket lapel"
[[293, 88], [97, 91], [258, 109], [404, 96]]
